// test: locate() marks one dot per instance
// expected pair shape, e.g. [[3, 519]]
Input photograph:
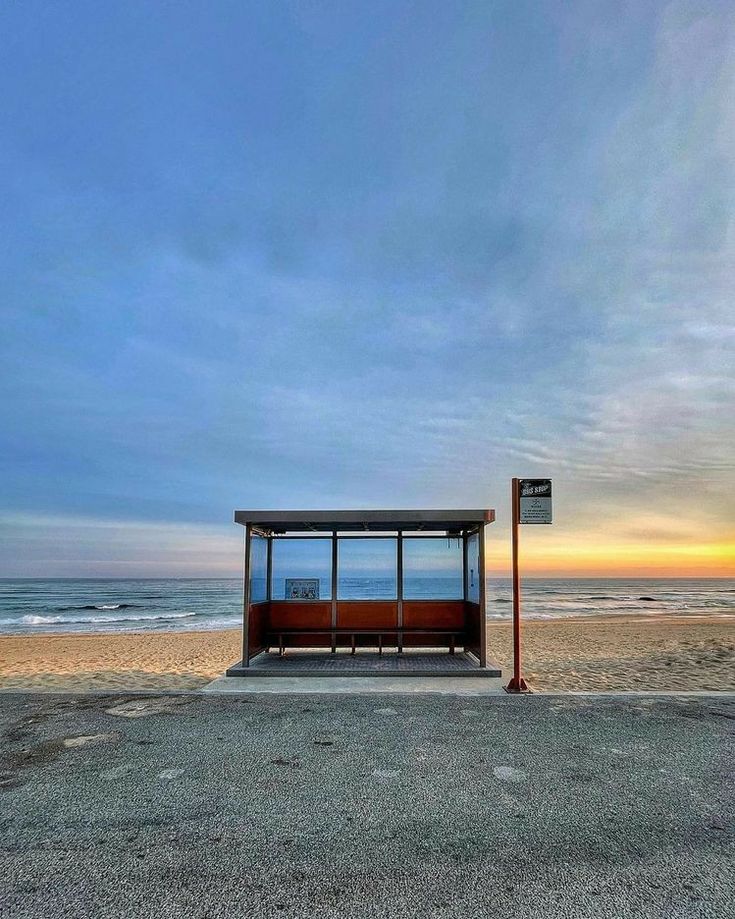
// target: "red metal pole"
[[517, 683], [516, 588]]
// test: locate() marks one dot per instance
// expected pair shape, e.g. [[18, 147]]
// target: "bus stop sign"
[[534, 501]]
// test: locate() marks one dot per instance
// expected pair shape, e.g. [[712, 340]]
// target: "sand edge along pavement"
[[584, 654]]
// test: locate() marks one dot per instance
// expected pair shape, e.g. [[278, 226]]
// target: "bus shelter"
[[364, 591]]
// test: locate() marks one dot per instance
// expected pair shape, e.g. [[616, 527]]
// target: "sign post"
[[530, 503]]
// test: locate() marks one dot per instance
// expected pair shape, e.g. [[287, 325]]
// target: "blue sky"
[[345, 254]]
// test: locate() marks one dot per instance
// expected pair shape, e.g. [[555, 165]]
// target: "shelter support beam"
[[246, 600], [483, 598]]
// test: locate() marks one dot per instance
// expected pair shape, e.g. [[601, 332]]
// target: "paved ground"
[[359, 806]]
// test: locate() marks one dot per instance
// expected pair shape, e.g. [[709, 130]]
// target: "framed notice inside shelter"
[[302, 588]]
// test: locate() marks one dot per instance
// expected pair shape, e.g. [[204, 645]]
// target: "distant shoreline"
[[492, 622], [490, 577], [56, 607]]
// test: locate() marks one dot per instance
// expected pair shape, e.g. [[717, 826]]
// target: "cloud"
[[55, 546], [384, 278]]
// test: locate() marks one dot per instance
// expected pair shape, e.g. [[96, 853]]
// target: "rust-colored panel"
[[367, 614], [292, 614], [257, 627], [472, 618], [433, 614]]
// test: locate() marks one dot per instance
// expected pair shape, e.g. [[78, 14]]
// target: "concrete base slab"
[[358, 685], [323, 663]]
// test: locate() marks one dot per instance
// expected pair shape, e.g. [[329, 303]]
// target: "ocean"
[[29, 606]]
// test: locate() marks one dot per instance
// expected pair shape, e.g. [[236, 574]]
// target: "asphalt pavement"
[[280, 805]]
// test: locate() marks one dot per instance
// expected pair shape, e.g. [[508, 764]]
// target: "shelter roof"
[[365, 520]]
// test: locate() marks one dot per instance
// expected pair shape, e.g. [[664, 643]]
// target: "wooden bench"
[[277, 636]]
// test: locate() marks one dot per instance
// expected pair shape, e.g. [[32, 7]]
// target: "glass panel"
[[473, 568], [367, 569], [432, 569], [302, 569], [258, 568]]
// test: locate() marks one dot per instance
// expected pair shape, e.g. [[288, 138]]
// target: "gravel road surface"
[[366, 806]]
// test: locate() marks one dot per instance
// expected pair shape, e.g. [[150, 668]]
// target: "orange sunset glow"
[[594, 555]]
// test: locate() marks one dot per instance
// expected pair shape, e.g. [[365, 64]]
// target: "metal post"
[[246, 601], [399, 589], [517, 684], [464, 568], [269, 573], [335, 583], [464, 586], [482, 624]]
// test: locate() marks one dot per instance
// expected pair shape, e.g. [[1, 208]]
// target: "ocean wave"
[[209, 625], [98, 606], [76, 606], [80, 620]]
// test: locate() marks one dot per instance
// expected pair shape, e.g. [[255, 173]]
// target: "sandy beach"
[[623, 653]]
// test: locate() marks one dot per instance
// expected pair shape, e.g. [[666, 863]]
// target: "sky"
[[346, 254]]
